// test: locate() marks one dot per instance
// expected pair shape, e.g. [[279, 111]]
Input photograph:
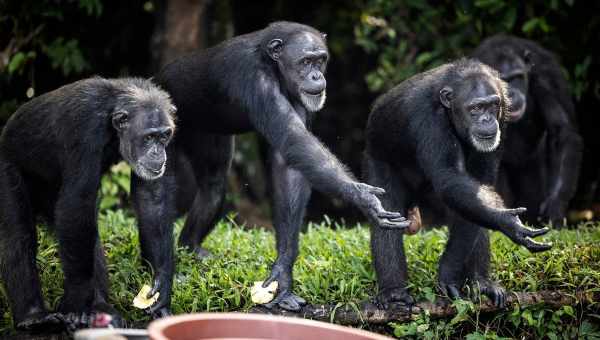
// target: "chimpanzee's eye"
[[515, 78], [494, 108], [306, 61], [164, 137], [148, 139]]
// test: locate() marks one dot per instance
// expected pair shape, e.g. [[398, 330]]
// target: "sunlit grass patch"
[[333, 266]]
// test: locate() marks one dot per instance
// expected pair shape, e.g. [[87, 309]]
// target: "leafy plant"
[[411, 36], [30, 24], [115, 187], [66, 56], [335, 266]]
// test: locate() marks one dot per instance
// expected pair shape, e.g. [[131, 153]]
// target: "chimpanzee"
[[440, 132], [53, 152], [543, 149], [270, 81]]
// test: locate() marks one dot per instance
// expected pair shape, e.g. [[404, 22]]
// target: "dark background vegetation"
[[374, 44]]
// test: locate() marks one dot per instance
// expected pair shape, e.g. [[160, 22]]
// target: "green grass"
[[333, 265]]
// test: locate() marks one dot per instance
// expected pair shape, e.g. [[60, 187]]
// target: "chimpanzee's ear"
[[120, 119], [446, 96], [172, 109], [274, 48], [324, 36]]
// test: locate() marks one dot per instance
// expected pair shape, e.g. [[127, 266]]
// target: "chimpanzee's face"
[[475, 107], [514, 67], [514, 71], [144, 133], [302, 62]]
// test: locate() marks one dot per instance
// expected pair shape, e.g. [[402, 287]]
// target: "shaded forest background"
[[374, 44]]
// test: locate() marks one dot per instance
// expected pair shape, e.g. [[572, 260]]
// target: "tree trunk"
[[180, 28]]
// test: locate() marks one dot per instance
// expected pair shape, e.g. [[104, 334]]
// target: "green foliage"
[[411, 36], [420, 327], [580, 82], [18, 61], [115, 187], [7, 107], [30, 24], [533, 322], [66, 56], [42, 39], [91, 7], [334, 266], [415, 35]]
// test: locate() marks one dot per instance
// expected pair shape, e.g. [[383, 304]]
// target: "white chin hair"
[[313, 103], [146, 174], [486, 145]]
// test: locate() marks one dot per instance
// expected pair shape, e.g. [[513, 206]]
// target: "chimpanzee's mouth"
[[149, 173], [485, 142], [514, 116], [313, 102], [155, 171], [313, 94], [490, 136]]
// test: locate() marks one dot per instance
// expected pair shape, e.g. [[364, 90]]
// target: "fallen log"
[[369, 312]]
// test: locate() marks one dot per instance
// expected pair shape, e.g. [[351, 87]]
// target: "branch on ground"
[[369, 312]]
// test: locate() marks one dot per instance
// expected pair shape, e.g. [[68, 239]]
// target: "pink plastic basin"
[[238, 326]]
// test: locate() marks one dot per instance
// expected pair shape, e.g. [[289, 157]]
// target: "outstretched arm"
[[565, 149], [274, 117], [441, 158]]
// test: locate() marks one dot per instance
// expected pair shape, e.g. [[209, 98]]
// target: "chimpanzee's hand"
[[161, 307], [365, 198], [521, 234], [553, 209]]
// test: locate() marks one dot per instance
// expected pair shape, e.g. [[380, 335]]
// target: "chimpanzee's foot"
[[495, 292], [288, 301], [38, 320], [492, 290], [161, 313], [451, 289], [285, 299], [394, 297], [202, 253], [115, 319], [101, 315], [199, 252]]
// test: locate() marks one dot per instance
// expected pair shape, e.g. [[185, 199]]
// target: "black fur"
[[419, 140], [53, 152], [254, 82], [543, 149]]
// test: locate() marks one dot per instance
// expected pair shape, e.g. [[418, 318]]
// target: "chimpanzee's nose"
[[485, 118]]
